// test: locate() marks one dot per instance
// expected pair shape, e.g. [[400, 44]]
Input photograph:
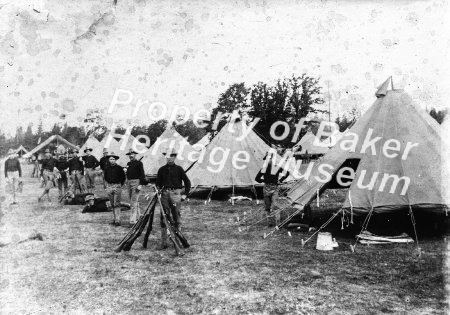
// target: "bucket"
[[325, 241]]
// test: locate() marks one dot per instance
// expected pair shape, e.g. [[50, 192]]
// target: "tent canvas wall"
[[203, 173], [153, 159], [91, 142], [308, 146], [21, 150], [392, 116]]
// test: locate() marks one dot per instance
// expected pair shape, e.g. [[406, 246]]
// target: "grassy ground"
[[74, 269]]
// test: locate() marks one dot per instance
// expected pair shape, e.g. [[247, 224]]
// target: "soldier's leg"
[[175, 207], [134, 200], [267, 204], [117, 198], [165, 197], [60, 186], [274, 209]]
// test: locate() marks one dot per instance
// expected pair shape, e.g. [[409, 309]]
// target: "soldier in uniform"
[[170, 181], [47, 173], [76, 171], [90, 163], [115, 178], [103, 163], [135, 180], [13, 172], [271, 180], [63, 166]]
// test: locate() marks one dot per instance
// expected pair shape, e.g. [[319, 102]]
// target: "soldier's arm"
[[285, 176], [20, 168], [142, 174], [187, 182], [159, 179]]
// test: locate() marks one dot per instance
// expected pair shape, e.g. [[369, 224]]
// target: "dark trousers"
[[171, 201]]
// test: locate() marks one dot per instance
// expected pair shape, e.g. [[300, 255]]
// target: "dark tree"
[[234, 98], [156, 129], [439, 115], [190, 131]]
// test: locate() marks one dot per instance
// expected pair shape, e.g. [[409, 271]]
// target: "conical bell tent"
[[154, 158], [223, 147], [407, 155], [92, 143]]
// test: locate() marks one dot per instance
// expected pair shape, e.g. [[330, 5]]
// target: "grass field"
[[75, 270]]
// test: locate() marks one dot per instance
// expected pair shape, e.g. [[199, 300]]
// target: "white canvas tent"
[[153, 159], [223, 147], [394, 117], [92, 143]]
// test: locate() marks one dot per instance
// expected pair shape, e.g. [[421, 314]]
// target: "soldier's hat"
[[105, 150], [89, 197], [88, 149], [10, 151], [131, 152], [47, 151], [112, 154]]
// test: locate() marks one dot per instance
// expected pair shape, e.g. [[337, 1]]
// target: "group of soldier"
[[171, 179]]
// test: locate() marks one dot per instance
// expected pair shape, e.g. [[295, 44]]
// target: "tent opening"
[[334, 184]]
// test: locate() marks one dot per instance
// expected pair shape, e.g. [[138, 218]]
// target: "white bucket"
[[324, 241]]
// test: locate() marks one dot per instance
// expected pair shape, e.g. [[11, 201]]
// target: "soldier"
[[135, 180], [90, 163], [76, 172], [270, 179], [13, 172], [63, 166], [47, 173], [115, 178], [170, 181], [103, 163]]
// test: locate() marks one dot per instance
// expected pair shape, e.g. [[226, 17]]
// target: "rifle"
[[137, 228], [170, 228]]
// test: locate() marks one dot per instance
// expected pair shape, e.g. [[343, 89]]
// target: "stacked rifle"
[[176, 237]]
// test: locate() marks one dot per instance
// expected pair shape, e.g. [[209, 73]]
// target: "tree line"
[[288, 99]]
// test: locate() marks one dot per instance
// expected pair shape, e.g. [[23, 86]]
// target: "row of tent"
[[393, 116]]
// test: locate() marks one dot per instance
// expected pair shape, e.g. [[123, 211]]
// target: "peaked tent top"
[[47, 142], [21, 149], [393, 117], [91, 142], [383, 88], [153, 159], [205, 174]]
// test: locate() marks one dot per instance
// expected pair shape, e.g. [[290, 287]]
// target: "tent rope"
[[364, 227], [413, 221]]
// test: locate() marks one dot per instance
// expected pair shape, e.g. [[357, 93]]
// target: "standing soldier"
[[135, 180], [63, 166], [13, 172], [115, 178], [270, 179], [47, 173], [76, 172], [170, 181], [90, 163], [103, 163]]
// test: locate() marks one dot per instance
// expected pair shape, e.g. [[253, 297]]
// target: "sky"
[[61, 59]]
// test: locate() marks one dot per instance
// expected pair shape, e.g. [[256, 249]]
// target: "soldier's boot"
[[163, 239]]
